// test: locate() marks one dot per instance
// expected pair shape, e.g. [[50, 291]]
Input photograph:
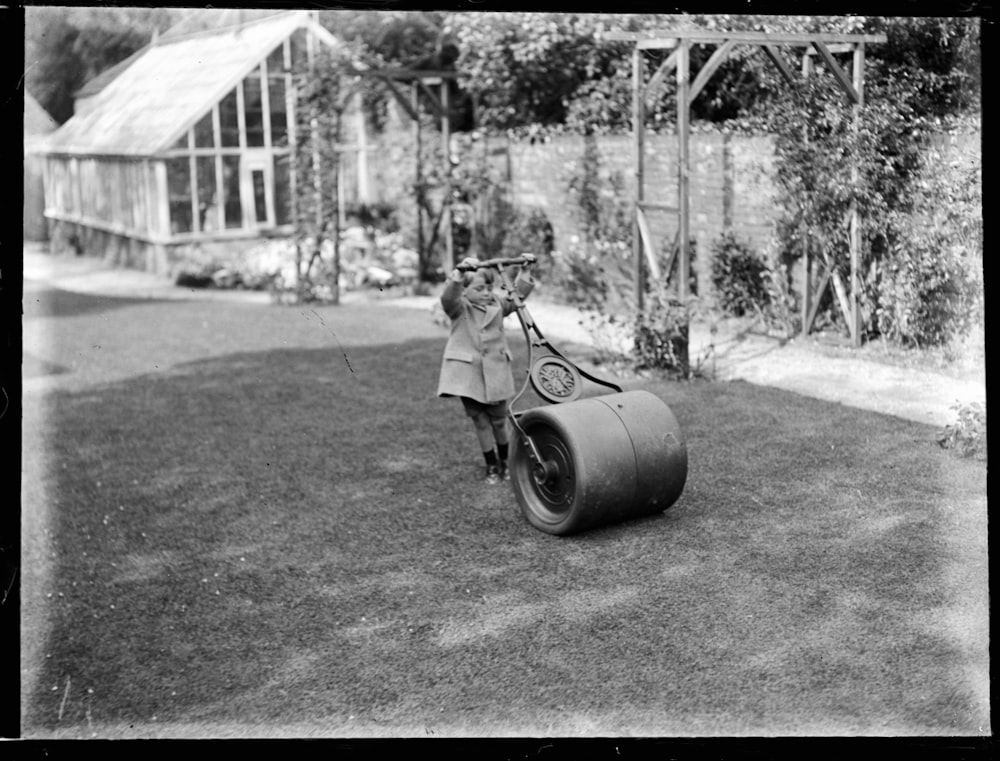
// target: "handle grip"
[[498, 263]]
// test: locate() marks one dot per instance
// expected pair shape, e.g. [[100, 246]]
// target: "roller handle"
[[498, 263]]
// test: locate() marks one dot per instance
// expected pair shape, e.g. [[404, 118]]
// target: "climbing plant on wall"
[[322, 88], [825, 164]]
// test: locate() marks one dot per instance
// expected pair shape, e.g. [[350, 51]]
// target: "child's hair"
[[485, 273]]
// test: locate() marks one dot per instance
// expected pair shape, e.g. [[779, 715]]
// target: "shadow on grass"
[[54, 302], [287, 538]]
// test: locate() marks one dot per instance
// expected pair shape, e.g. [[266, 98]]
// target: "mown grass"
[[292, 539]]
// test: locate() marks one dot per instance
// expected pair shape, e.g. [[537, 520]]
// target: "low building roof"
[[37, 120], [168, 87]]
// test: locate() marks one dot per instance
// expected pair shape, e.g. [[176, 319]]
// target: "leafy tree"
[[555, 70], [52, 71], [527, 68], [67, 46], [403, 39]]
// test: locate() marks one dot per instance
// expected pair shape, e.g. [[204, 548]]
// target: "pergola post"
[[638, 129], [859, 83], [683, 173], [449, 263], [418, 185], [807, 293]]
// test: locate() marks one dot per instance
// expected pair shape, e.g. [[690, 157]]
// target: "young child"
[[477, 363]]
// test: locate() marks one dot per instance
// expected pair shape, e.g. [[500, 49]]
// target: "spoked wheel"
[[547, 491]]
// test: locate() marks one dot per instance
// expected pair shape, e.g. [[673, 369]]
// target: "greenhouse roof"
[[150, 104]]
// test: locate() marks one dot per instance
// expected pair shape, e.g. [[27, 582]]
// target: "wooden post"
[[449, 263], [859, 83], [364, 186], [807, 294], [339, 210], [683, 184], [638, 193], [220, 209], [418, 190], [291, 115]]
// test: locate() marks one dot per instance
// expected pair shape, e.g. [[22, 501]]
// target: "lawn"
[[246, 521]]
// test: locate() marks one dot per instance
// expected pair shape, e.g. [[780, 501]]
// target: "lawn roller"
[[579, 462]]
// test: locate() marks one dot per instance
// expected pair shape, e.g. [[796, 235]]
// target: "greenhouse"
[[188, 148]]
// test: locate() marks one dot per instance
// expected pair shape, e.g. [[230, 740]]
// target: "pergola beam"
[[408, 75], [656, 81], [837, 72], [432, 98], [700, 36], [400, 98], [710, 67], [656, 44], [779, 62]]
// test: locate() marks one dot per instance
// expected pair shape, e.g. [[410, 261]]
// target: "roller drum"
[[609, 459]]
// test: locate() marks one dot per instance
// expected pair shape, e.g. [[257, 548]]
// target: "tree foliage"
[[535, 72], [67, 46]]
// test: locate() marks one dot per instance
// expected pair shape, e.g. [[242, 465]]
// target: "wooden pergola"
[[645, 91], [424, 82]]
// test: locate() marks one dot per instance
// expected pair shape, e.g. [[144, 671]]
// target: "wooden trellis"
[[645, 91]]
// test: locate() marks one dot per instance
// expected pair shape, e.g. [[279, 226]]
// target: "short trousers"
[[475, 408]]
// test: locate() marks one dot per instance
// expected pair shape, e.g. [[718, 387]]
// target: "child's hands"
[[467, 264]]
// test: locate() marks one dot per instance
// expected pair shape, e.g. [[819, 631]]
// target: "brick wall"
[[730, 180]]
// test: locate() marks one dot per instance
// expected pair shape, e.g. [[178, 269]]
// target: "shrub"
[[928, 295], [661, 335], [594, 277], [930, 291], [967, 435], [380, 215], [531, 232], [739, 276]]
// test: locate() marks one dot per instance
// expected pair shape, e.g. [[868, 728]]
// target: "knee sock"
[[500, 436], [484, 434], [491, 458]]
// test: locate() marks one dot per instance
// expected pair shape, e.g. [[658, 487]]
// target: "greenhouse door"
[[258, 189]]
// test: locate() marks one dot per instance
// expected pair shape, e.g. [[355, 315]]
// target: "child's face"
[[479, 292]]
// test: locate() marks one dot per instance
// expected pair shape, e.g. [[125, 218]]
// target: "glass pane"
[[203, 135], [282, 191], [208, 211], [231, 191], [179, 189], [181, 144], [259, 197], [279, 128], [276, 62], [253, 109], [298, 41], [228, 122]]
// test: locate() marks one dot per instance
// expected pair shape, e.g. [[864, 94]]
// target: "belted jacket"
[[477, 360]]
